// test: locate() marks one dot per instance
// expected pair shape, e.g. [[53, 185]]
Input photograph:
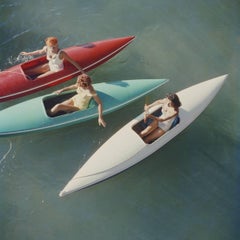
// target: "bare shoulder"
[[62, 53], [93, 92]]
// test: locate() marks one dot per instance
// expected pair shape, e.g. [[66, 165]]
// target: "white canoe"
[[125, 148]]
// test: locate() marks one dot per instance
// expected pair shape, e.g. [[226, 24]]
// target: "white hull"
[[125, 148]]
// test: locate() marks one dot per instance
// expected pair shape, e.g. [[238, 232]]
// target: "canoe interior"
[[141, 125], [51, 101], [28, 66]]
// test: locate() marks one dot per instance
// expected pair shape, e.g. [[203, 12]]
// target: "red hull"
[[14, 83]]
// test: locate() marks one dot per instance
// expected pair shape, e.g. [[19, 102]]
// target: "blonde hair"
[[85, 81], [51, 41]]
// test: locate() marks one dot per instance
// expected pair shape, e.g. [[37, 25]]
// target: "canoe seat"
[[175, 122], [142, 125]]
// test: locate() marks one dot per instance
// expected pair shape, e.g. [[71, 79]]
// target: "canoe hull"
[[125, 148], [31, 115], [14, 83]]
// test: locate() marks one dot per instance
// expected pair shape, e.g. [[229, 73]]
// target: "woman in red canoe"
[[55, 57]]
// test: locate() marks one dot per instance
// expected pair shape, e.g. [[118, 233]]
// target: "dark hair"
[[173, 97]]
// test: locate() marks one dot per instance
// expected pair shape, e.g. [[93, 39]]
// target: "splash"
[[19, 59]]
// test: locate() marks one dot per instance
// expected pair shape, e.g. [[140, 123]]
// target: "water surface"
[[187, 190]]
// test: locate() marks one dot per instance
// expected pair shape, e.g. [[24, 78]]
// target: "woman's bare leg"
[[153, 135], [37, 70], [66, 106], [149, 129], [45, 74]]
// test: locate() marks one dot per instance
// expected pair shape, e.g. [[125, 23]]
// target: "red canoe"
[[14, 83]]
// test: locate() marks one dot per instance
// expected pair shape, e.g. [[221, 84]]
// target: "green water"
[[187, 190]]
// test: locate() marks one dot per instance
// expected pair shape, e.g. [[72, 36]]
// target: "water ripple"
[[14, 37], [6, 154]]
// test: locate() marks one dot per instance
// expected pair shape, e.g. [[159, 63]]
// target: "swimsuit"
[[165, 125], [54, 62], [82, 99]]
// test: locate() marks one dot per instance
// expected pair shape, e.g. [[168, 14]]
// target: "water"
[[187, 190]]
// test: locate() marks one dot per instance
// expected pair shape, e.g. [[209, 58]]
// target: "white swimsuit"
[[55, 63], [165, 125]]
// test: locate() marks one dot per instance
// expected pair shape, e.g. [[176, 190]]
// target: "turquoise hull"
[[31, 115]]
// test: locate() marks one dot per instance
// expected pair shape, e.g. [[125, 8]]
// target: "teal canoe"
[[31, 115]]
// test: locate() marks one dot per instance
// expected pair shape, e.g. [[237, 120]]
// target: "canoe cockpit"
[[30, 68], [141, 125], [52, 100]]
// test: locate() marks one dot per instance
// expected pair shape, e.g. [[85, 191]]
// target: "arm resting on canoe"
[[71, 87], [64, 55]]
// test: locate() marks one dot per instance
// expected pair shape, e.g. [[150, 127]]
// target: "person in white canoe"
[[160, 125]]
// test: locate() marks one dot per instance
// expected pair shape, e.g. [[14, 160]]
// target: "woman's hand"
[[101, 122], [146, 107], [24, 53], [146, 112], [58, 91]]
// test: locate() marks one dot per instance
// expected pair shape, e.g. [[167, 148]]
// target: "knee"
[[143, 133], [56, 107]]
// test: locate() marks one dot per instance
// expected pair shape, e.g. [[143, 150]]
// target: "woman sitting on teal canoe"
[[160, 125], [80, 101]]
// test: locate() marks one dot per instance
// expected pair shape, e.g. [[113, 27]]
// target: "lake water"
[[187, 190]]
